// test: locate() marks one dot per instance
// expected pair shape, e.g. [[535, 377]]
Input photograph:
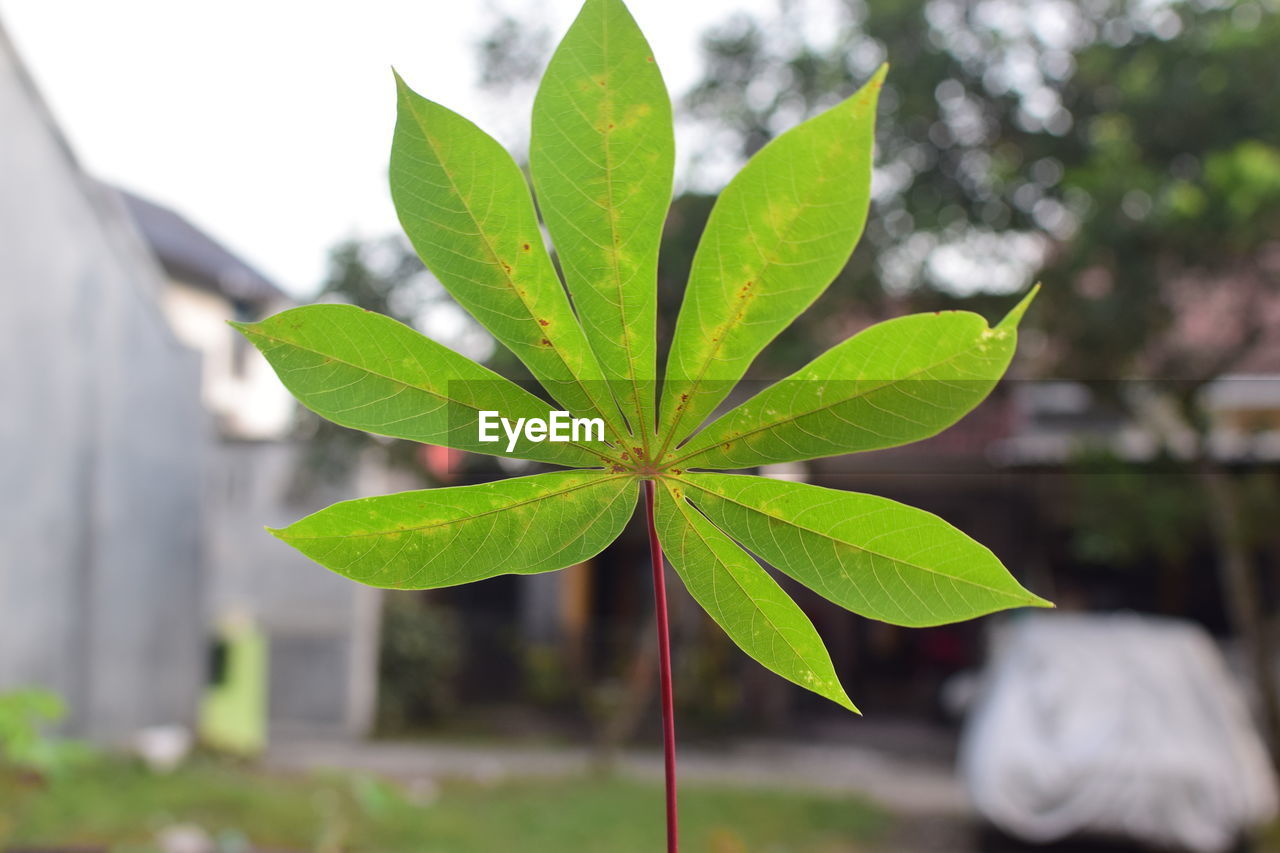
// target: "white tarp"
[[1117, 725]]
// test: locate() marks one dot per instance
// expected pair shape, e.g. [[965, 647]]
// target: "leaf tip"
[[1014, 317], [869, 93], [842, 699], [836, 693], [1037, 601], [403, 90]]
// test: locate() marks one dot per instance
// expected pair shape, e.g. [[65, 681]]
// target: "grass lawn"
[[122, 807]]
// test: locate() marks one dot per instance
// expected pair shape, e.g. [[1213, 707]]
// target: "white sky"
[[268, 122]]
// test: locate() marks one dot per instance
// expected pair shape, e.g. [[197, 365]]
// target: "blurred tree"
[[1022, 136], [1149, 518], [418, 663], [513, 52]]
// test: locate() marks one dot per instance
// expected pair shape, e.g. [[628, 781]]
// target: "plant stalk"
[[664, 671]]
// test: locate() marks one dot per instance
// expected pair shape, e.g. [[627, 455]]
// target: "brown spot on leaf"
[[526, 247], [546, 343], [544, 322]]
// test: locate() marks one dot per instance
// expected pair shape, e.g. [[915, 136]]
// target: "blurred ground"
[[911, 786], [754, 796], [212, 806], [905, 770]]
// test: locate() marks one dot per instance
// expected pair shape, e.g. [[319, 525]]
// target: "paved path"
[[912, 787]]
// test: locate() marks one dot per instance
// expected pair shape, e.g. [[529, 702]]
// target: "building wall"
[[101, 437], [322, 629], [143, 448], [238, 386]]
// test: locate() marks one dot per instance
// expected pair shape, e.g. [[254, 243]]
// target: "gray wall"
[[101, 432], [322, 628]]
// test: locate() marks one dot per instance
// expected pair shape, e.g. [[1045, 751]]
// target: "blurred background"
[[174, 679]]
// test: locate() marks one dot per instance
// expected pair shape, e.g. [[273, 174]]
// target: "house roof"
[[190, 255]]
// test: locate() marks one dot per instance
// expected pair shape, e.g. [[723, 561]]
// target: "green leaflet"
[[779, 233], [602, 154], [871, 555], [897, 382], [366, 371], [444, 537], [467, 210], [743, 600]]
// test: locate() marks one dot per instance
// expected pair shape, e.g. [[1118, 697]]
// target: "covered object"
[[1114, 725]]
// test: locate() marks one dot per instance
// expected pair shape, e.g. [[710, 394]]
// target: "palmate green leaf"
[[602, 156], [368, 372], [743, 600], [899, 381], [871, 555], [777, 236], [601, 159], [468, 212], [449, 536]]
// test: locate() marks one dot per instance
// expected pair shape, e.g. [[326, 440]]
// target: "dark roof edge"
[[190, 254]]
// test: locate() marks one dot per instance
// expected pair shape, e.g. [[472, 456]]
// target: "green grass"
[[123, 806]]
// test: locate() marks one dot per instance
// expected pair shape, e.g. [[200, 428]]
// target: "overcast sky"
[[269, 123]]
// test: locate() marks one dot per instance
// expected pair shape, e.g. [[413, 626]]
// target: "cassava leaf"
[[777, 236], [602, 159], [444, 537], [602, 154], [743, 600], [468, 212], [366, 371], [871, 555], [897, 382]]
